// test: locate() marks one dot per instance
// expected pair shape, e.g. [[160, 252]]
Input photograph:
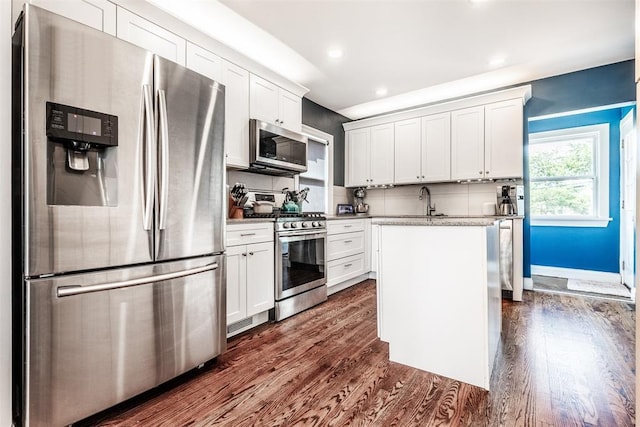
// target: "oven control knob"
[[285, 225], [305, 225], [315, 224], [294, 225]]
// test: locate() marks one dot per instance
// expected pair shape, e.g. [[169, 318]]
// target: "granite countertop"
[[445, 221]]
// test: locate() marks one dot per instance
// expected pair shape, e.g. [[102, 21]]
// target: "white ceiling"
[[425, 51]]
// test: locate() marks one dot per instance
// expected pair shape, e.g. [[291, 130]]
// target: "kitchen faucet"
[[430, 209]]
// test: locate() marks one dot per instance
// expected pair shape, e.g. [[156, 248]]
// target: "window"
[[319, 175], [569, 172]]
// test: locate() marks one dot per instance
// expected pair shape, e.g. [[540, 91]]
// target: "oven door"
[[300, 262]]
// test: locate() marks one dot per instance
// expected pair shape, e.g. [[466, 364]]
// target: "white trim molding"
[[573, 273], [528, 284]]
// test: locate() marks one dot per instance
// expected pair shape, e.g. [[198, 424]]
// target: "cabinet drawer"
[[345, 226], [242, 234], [344, 269], [345, 244]]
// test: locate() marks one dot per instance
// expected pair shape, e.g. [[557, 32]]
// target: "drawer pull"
[[348, 226], [247, 234], [348, 265], [348, 241]]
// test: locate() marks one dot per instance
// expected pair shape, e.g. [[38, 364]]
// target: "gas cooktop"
[[279, 215]]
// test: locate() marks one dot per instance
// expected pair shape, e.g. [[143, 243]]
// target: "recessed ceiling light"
[[335, 53], [381, 91], [497, 61]]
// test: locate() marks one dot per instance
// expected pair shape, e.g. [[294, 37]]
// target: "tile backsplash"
[[449, 199]]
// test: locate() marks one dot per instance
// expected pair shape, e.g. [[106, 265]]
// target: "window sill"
[[571, 222]]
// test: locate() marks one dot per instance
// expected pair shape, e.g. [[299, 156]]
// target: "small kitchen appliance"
[[358, 195], [510, 200]]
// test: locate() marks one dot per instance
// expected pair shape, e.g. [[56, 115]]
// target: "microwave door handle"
[[150, 161], [164, 158]]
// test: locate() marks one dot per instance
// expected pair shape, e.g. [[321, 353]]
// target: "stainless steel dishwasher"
[[506, 257]]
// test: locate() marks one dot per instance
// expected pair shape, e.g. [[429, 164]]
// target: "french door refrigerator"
[[118, 219]]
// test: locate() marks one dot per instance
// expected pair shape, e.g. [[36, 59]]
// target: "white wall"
[[5, 213], [449, 199]]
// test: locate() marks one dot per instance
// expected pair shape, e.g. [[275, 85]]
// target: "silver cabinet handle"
[[487, 172], [348, 226], [348, 241], [164, 158], [347, 265], [150, 160], [250, 253], [247, 234], [67, 291], [244, 254], [480, 172]]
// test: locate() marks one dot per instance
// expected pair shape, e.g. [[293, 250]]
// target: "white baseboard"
[[527, 284], [572, 273], [346, 284]]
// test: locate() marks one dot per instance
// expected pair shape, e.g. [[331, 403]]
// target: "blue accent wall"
[[584, 248], [594, 87]]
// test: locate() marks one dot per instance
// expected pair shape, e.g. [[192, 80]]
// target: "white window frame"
[[600, 134], [327, 139]]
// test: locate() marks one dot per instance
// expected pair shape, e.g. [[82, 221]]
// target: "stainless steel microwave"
[[276, 151]]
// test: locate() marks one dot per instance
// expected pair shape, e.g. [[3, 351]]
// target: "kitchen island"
[[439, 297]]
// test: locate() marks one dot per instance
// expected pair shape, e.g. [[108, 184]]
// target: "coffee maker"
[[510, 200], [358, 197]]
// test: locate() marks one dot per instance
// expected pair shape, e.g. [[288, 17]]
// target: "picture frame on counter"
[[344, 209]]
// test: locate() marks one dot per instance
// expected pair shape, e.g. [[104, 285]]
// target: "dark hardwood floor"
[[563, 361]]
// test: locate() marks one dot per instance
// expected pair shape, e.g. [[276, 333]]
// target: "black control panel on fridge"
[[77, 124]]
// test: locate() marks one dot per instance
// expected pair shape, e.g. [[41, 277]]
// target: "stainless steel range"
[[301, 263]]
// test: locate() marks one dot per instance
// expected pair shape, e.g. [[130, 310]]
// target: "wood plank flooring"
[[563, 361]]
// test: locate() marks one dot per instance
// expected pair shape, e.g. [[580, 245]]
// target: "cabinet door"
[[381, 150], [263, 100], [503, 139], [436, 148], [204, 62], [236, 283], [150, 36], [236, 138], [99, 14], [357, 157], [290, 109], [408, 167], [260, 278], [467, 143]]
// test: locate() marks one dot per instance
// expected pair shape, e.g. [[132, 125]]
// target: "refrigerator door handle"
[[149, 156], [164, 158], [67, 291]]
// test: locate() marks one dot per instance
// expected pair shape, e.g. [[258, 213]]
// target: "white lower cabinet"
[[250, 272], [347, 251]]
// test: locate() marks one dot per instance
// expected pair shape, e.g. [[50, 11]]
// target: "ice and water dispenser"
[[82, 162]]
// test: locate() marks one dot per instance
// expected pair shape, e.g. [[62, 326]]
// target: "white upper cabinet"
[[150, 36], [423, 149], [99, 14], [503, 139], [382, 164], [204, 62], [467, 143], [408, 142], [357, 157], [270, 103], [436, 148], [487, 141], [369, 156], [236, 81]]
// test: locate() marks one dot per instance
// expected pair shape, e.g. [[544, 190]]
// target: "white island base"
[[439, 297]]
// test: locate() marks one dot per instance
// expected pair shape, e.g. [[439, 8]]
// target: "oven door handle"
[[305, 234]]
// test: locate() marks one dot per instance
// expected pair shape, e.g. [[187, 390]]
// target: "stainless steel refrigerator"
[[118, 205]]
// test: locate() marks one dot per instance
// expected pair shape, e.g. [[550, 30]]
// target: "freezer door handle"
[[164, 158], [150, 160], [67, 291]]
